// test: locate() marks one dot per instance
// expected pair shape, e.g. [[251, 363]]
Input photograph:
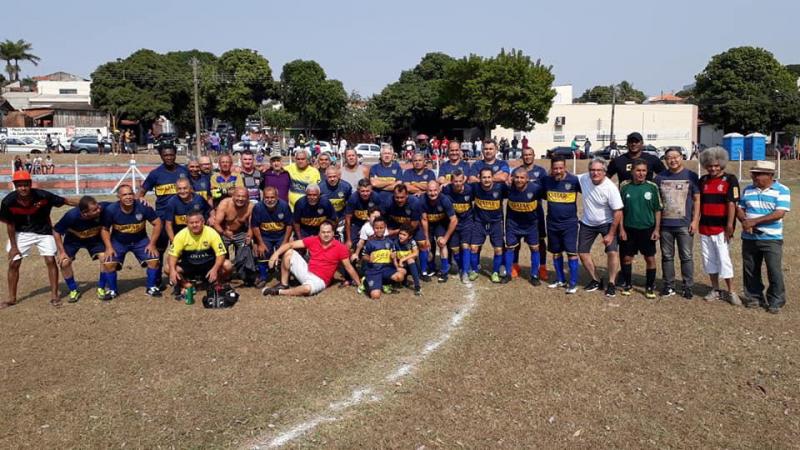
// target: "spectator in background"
[[587, 147], [246, 140], [18, 164], [101, 145], [150, 141], [524, 142], [28, 163], [49, 166]]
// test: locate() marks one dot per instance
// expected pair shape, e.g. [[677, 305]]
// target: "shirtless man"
[[232, 218]]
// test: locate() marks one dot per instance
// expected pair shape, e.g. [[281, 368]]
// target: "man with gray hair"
[[311, 211], [301, 174], [719, 194], [602, 215]]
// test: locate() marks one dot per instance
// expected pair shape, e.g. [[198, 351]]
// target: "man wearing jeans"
[[761, 210], [680, 219]]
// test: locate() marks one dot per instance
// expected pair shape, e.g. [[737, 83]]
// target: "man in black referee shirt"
[[622, 165]]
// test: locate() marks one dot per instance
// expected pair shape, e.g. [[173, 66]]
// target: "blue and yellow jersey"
[[272, 224], [300, 179], [198, 249], [337, 195], [447, 168], [562, 200], [522, 205], [310, 217], [420, 180], [222, 186], [177, 210], [128, 228], [74, 228], [439, 210], [380, 253], [390, 173], [403, 249], [202, 186], [360, 208], [497, 166], [462, 203], [489, 203], [397, 215], [162, 182]]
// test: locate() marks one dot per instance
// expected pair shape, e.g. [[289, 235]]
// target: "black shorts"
[[638, 242], [587, 234], [195, 272]]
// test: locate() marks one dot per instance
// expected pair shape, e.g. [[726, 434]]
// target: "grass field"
[[523, 367]]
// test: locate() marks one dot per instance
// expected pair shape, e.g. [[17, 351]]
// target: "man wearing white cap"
[[761, 210]]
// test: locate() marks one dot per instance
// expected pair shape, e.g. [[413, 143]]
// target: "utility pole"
[[613, 105], [198, 140]]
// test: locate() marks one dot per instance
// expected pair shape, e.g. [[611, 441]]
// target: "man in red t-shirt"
[[314, 276]]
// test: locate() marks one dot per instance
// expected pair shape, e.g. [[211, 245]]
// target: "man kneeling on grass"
[[326, 254]]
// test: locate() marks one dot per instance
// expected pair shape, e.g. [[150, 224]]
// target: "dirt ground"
[[528, 367]]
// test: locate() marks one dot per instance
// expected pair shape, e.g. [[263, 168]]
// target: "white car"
[[19, 145], [368, 151], [239, 147], [324, 146]]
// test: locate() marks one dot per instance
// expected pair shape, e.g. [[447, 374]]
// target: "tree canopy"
[[308, 93], [243, 81], [604, 94], [13, 52]]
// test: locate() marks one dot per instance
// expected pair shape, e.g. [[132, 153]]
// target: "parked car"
[[684, 151], [565, 152], [84, 144], [324, 146], [19, 145], [254, 147], [651, 149], [368, 150], [604, 153]]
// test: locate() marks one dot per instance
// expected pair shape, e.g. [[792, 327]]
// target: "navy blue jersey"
[[360, 208], [397, 215], [447, 168], [462, 203], [271, 224], [537, 173], [380, 253], [522, 206], [562, 201], [202, 185], [403, 249], [410, 176], [439, 210], [310, 217], [74, 228], [497, 166], [489, 204], [128, 228], [177, 210], [390, 174], [162, 182], [337, 195]]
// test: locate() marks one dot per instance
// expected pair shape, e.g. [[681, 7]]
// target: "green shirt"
[[641, 203]]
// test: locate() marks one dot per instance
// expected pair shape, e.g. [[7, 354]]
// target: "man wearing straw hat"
[[761, 210]]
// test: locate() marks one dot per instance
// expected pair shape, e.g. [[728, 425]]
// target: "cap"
[[275, 155], [634, 137], [21, 175], [763, 167]]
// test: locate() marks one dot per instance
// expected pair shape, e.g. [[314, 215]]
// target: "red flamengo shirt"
[[325, 260], [715, 193]]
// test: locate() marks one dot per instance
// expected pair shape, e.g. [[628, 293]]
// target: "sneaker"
[[593, 286], [733, 299], [515, 269], [773, 310], [506, 279], [74, 296], [271, 291], [473, 276], [177, 294], [101, 294], [711, 296], [495, 277], [626, 289], [260, 283], [572, 290], [611, 290], [535, 281], [418, 292], [153, 292], [687, 293], [650, 292], [667, 292], [543, 273], [425, 277], [464, 278], [557, 284], [387, 289], [442, 278], [361, 289]]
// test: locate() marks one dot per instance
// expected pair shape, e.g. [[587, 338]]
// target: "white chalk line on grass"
[[370, 393]]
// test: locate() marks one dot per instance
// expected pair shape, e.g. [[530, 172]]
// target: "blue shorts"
[[563, 240], [461, 236], [94, 247], [494, 231], [137, 248], [419, 234], [540, 219], [376, 278], [272, 245], [162, 243], [515, 235]]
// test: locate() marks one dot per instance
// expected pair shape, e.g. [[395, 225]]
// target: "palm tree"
[[16, 52]]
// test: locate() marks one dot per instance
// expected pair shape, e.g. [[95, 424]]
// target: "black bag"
[[220, 297]]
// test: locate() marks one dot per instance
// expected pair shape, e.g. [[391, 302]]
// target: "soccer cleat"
[[626, 289], [260, 283], [515, 269], [442, 277], [557, 284], [773, 310], [153, 292], [473, 276], [506, 279], [387, 289], [74, 296], [593, 286], [572, 290], [109, 295], [543, 273], [535, 281], [687, 293], [425, 277], [650, 292], [464, 278], [101, 294], [611, 290], [361, 289], [418, 292], [495, 277], [667, 292]]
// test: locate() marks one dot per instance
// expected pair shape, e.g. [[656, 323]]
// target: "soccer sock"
[[535, 263], [466, 260], [152, 277], [625, 271], [543, 253], [71, 284], [509, 259], [414, 274], [111, 281], [445, 265], [423, 260], [262, 270], [516, 254], [476, 261], [573, 272], [558, 263], [101, 282], [497, 261], [650, 274], [456, 259]]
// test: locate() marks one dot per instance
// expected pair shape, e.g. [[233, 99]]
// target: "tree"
[[795, 69], [745, 89], [277, 117], [13, 52], [508, 90], [604, 94], [182, 113], [243, 81], [317, 101], [361, 119]]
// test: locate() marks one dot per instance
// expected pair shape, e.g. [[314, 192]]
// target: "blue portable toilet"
[[755, 147], [734, 144]]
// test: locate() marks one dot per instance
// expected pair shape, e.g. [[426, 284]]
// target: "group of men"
[[380, 225]]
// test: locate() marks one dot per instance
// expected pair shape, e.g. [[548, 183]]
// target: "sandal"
[[56, 302]]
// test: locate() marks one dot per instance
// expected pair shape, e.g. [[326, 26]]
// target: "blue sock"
[[445, 265], [457, 260], [475, 258], [497, 261], [466, 260], [152, 276], [414, 274], [101, 282], [111, 281], [573, 272], [262, 270], [558, 263], [423, 260], [535, 263], [71, 284], [509, 260]]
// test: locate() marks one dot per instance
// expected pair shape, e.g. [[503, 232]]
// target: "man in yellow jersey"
[[196, 253], [301, 174]]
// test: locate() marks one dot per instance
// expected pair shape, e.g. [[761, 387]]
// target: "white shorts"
[[299, 268], [44, 243], [716, 256]]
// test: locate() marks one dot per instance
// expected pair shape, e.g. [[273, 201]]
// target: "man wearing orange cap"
[[26, 213]]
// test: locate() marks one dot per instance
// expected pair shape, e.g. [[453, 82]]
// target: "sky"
[[658, 46]]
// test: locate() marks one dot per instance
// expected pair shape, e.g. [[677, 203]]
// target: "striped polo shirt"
[[757, 203]]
